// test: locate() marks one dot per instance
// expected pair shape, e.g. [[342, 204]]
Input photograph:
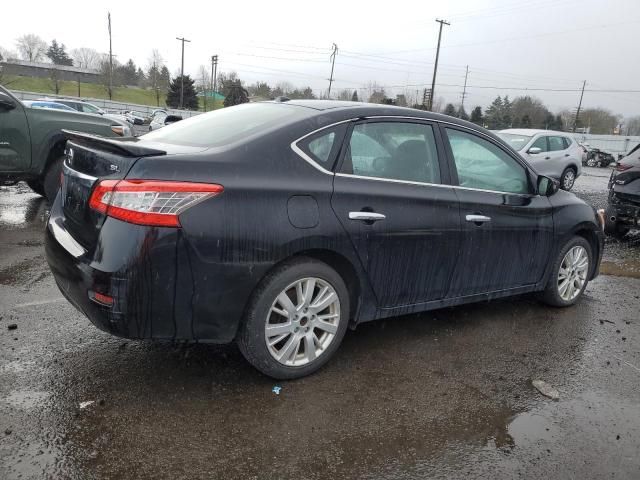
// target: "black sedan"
[[281, 224]]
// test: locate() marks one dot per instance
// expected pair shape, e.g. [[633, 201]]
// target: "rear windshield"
[[517, 142], [227, 125]]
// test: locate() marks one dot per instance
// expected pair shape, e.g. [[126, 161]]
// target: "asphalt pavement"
[[446, 394]]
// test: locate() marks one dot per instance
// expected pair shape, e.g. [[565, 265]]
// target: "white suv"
[[554, 154]]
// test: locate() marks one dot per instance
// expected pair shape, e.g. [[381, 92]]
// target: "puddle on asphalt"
[[624, 269], [24, 272], [21, 207]]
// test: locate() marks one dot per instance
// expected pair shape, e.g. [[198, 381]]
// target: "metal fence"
[[614, 144], [108, 105]]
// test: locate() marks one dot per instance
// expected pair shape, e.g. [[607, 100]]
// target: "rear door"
[[558, 156], [507, 231], [15, 138], [390, 194]]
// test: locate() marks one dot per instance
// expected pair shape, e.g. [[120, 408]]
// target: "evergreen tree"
[[559, 126], [165, 77], [493, 114], [525, 122], [354, 97], [450, 110], [476, 116], [462, 114], [236, 94], [128, 73], [506, 116], [190, 100], [58, 54], [140, 78]]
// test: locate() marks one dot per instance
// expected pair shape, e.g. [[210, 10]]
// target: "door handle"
[[567, 155], [366, 216], [477, 218], [547, 158]]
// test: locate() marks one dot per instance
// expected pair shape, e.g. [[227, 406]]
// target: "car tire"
[[255, 342], [591, 162], [614, 228], [51, 182], [36, 186], [568, 178], [554, 293]]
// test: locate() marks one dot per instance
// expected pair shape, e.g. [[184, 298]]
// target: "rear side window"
[[393, 150], [556, 143], [566, 141], [228, 125], [323, 146], [482, 165]]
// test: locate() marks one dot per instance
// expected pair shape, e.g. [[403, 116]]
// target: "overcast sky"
[[508, 45]]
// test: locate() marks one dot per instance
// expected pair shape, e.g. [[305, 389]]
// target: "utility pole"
[[435, 67], [575, 121], [333, 62], [464, 90], [110, 58], [182, 71], [214, 71]]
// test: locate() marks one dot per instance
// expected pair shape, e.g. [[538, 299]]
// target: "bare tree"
[[6, 54], [203, 82], [345, 94], [632, 126], [86, 58], [31, 47], [154, 76], [55, 81]]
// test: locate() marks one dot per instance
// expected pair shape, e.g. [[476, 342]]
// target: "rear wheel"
[[51, 182], [296, 319], [570, 273], [568, 178], [36, 186]]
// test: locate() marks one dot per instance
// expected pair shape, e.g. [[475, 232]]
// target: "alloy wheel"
[[302, 321], [568, 179], [573, 273]]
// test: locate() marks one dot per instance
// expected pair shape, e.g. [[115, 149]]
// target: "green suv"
[[32, 143]]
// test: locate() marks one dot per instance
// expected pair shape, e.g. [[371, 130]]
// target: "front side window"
[[483, 165], [556, 143], [541, 143], [393, 150]]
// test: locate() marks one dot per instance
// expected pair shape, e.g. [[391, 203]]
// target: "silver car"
[[554, 154]]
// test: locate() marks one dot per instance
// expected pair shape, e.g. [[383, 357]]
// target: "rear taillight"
[[621, 167], [149, 202]]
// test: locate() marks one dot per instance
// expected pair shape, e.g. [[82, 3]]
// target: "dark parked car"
[[623, 211], [280, 224]]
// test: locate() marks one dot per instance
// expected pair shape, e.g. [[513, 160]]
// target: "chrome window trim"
[[313, 163]]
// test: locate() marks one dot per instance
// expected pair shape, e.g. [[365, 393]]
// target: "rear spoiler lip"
[[127, 146]]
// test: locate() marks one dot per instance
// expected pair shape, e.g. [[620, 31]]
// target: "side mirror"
[[6, 102], [547, 186], [534, 150]]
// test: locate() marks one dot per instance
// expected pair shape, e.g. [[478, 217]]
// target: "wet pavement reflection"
[[445, 394]]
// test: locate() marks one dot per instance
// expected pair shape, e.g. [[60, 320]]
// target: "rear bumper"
[[155, 282]]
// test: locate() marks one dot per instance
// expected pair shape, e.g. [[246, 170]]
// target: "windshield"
[[517, 142], [227, 125]]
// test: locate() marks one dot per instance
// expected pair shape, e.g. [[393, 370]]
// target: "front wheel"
[[51, 182], [570, 273], [36, 186], [568, 178], [296, 319]]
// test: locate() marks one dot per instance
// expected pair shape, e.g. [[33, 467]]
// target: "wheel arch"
[[52, 150], [592, 237], [337, 261]]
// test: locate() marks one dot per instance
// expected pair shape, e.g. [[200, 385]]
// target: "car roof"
[[531, 131]]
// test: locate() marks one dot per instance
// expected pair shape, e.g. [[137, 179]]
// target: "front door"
[[403, 221], [507, 230], [15, 143]]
